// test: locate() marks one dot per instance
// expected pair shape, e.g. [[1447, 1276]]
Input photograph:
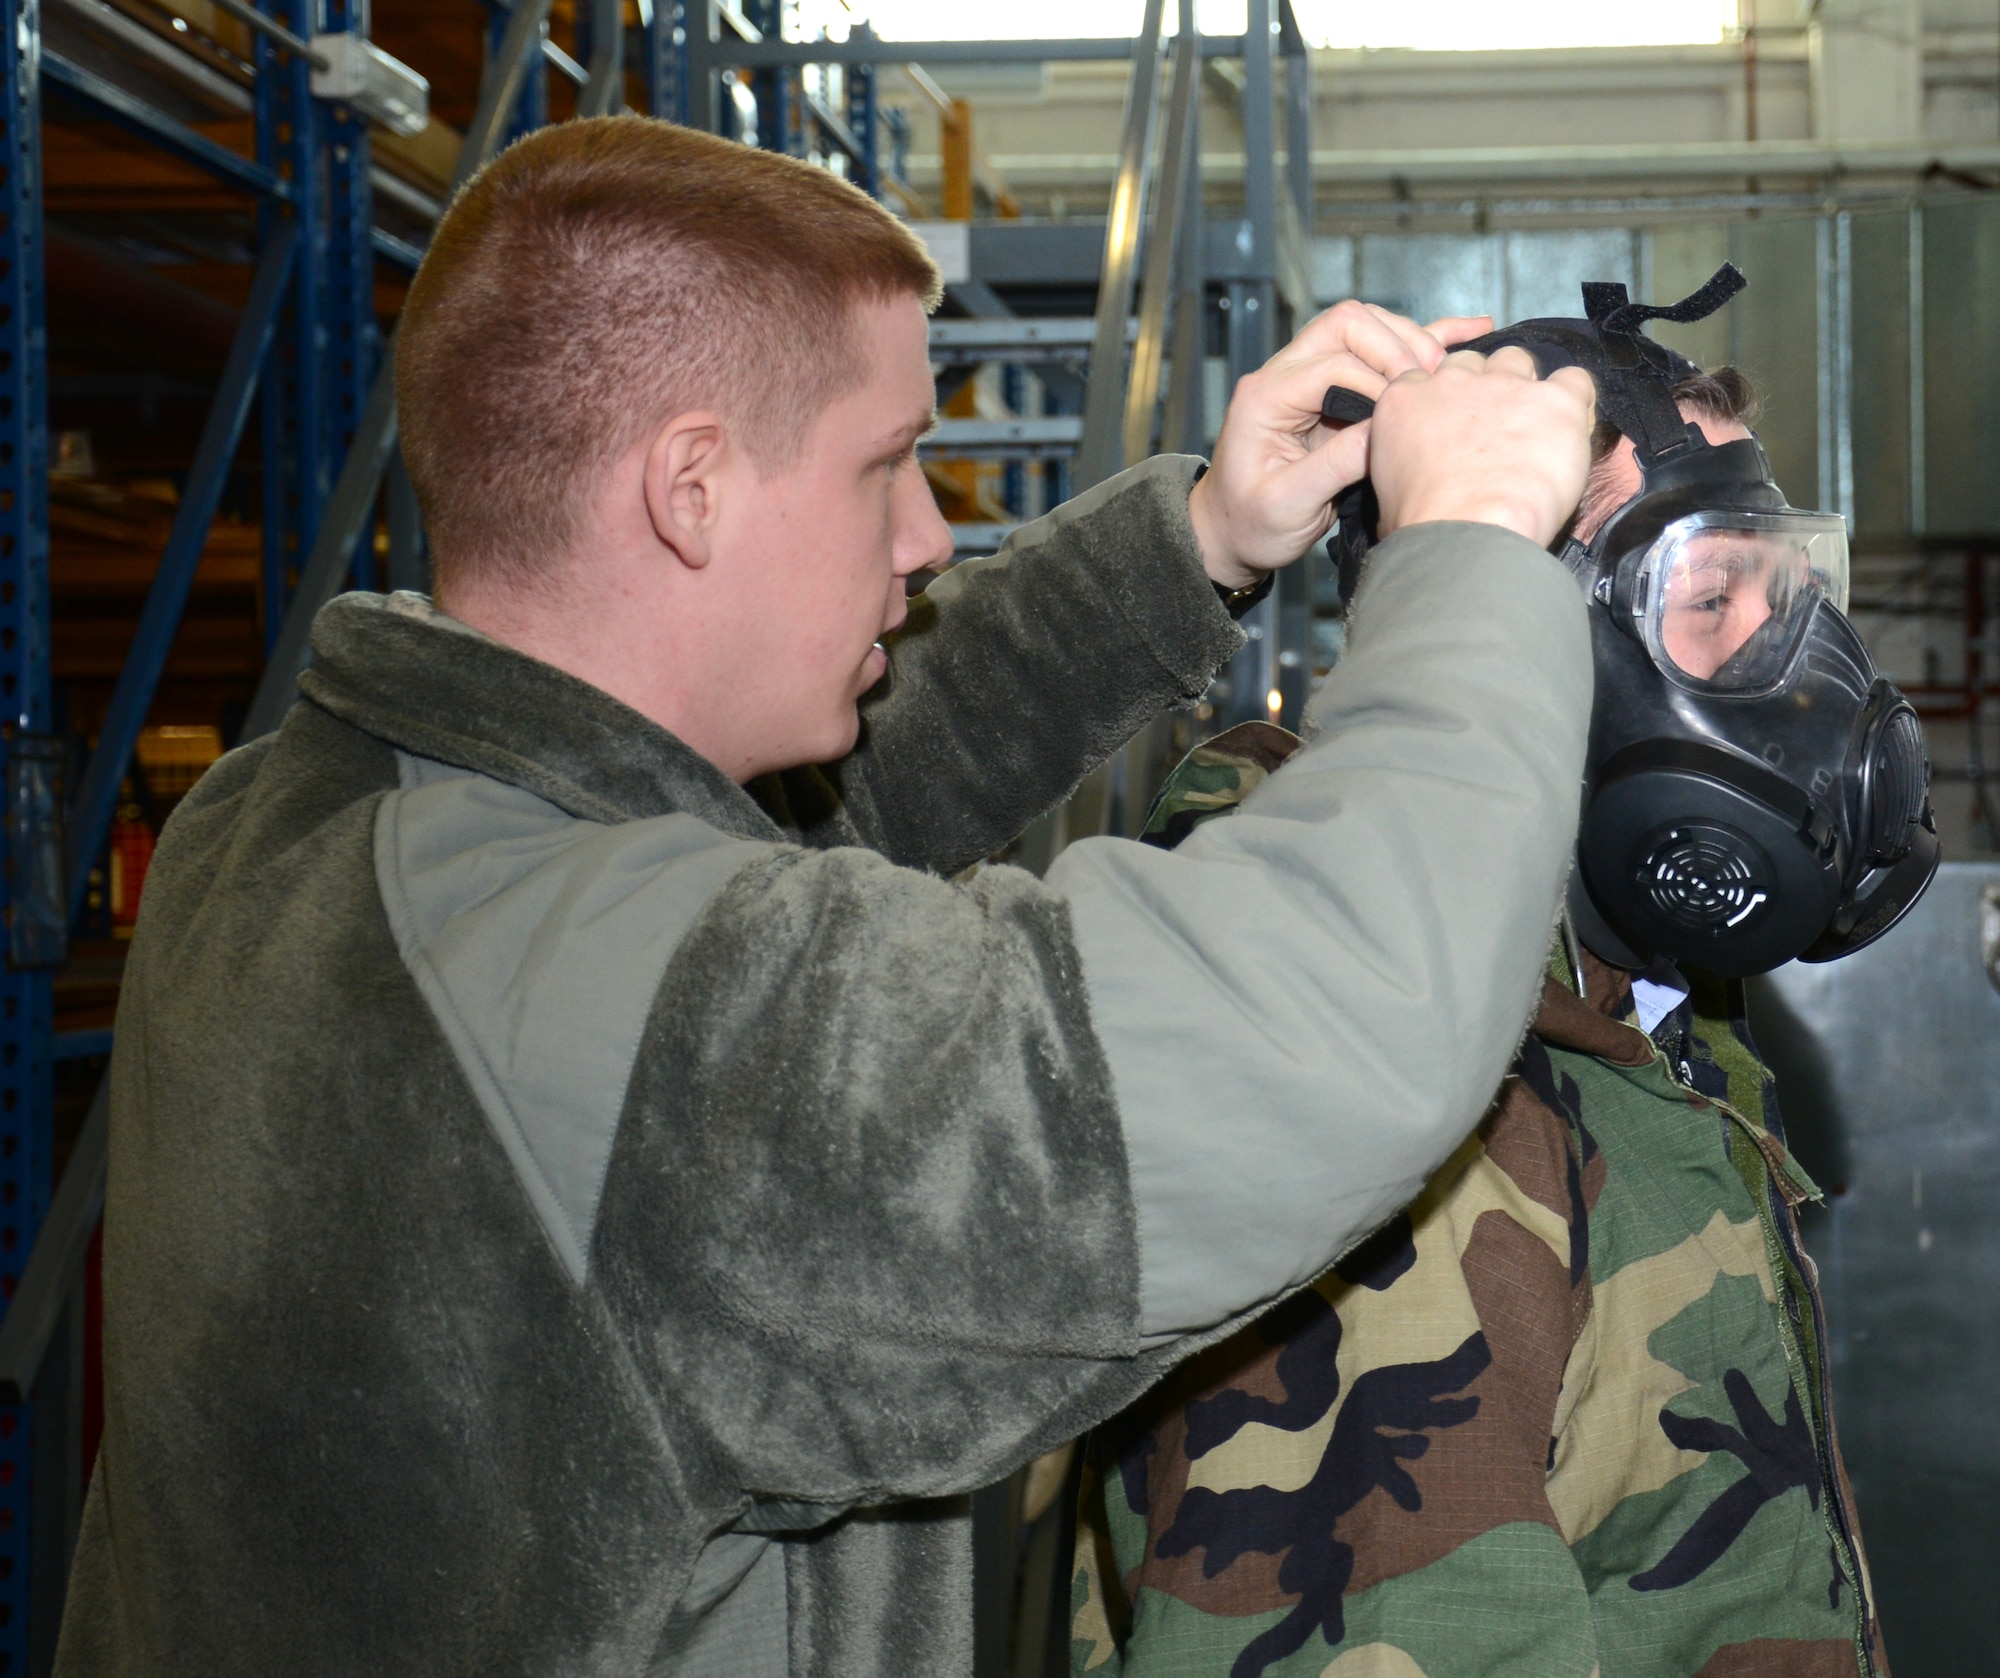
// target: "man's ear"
[[683, 485]]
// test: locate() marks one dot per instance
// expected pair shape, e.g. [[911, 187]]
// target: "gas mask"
[[1755, 791]]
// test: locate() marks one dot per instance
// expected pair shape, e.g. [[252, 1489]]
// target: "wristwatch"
[[1237, 601]]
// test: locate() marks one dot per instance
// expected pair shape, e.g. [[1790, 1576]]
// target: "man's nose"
[[922, 537]]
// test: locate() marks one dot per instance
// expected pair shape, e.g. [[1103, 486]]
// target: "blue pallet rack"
[[27, 1029]]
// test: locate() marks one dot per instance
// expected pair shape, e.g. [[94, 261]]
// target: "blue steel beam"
[[352, 507], [107, 99], [862, 123], [298, 467], [27, 1020], [353, 340], [663, 29], [776, 89], [97, 798]]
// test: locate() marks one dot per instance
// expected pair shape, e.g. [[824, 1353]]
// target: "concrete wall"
[[1864, 72]]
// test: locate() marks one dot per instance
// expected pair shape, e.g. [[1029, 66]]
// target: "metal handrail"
[[1180, 177], [1101, 452]]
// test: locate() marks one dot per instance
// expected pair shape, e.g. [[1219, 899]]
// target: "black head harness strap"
[[1634, 375]]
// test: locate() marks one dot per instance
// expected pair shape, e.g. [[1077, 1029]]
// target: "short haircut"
[[598, 278], [1724, 393]]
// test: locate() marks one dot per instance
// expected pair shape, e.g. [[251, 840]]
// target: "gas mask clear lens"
[[1724, 598]]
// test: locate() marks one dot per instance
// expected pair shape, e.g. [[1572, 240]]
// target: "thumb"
[[1309, 485]]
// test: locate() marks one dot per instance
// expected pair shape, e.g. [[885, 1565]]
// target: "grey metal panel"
[[1880, 288], [1520, 275], [1431, 274], [1961, 361], [1038, 252], [1889, 1074], [1773, 337], [1333, 257], [1545, 271]]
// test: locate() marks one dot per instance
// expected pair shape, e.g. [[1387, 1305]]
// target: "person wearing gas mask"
[[1567, 1415]]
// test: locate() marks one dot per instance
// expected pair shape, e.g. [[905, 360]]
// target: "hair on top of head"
[[1722, 393], [601, 276]]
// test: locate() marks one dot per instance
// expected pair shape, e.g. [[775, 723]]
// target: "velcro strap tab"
[[1626, 317]]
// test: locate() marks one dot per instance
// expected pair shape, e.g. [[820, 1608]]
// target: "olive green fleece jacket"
[[569, 1214]]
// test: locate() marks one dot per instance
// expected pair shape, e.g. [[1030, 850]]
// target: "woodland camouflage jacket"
[[1566, 1416]]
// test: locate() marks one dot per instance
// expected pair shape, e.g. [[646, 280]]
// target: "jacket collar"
[[1565, 1020], [396, 667]]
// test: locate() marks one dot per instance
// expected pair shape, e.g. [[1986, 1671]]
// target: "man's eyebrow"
[[916, 430]]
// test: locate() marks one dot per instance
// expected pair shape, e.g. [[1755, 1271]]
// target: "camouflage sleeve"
[[1354, 1487]]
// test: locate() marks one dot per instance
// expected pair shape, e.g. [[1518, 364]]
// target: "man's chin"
[[838, 739]]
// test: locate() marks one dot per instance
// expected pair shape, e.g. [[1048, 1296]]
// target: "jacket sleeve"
[[869, 1219], [1018, 674], [1306, 1006]]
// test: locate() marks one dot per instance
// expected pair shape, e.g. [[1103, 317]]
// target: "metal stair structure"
[[1130, 380]]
